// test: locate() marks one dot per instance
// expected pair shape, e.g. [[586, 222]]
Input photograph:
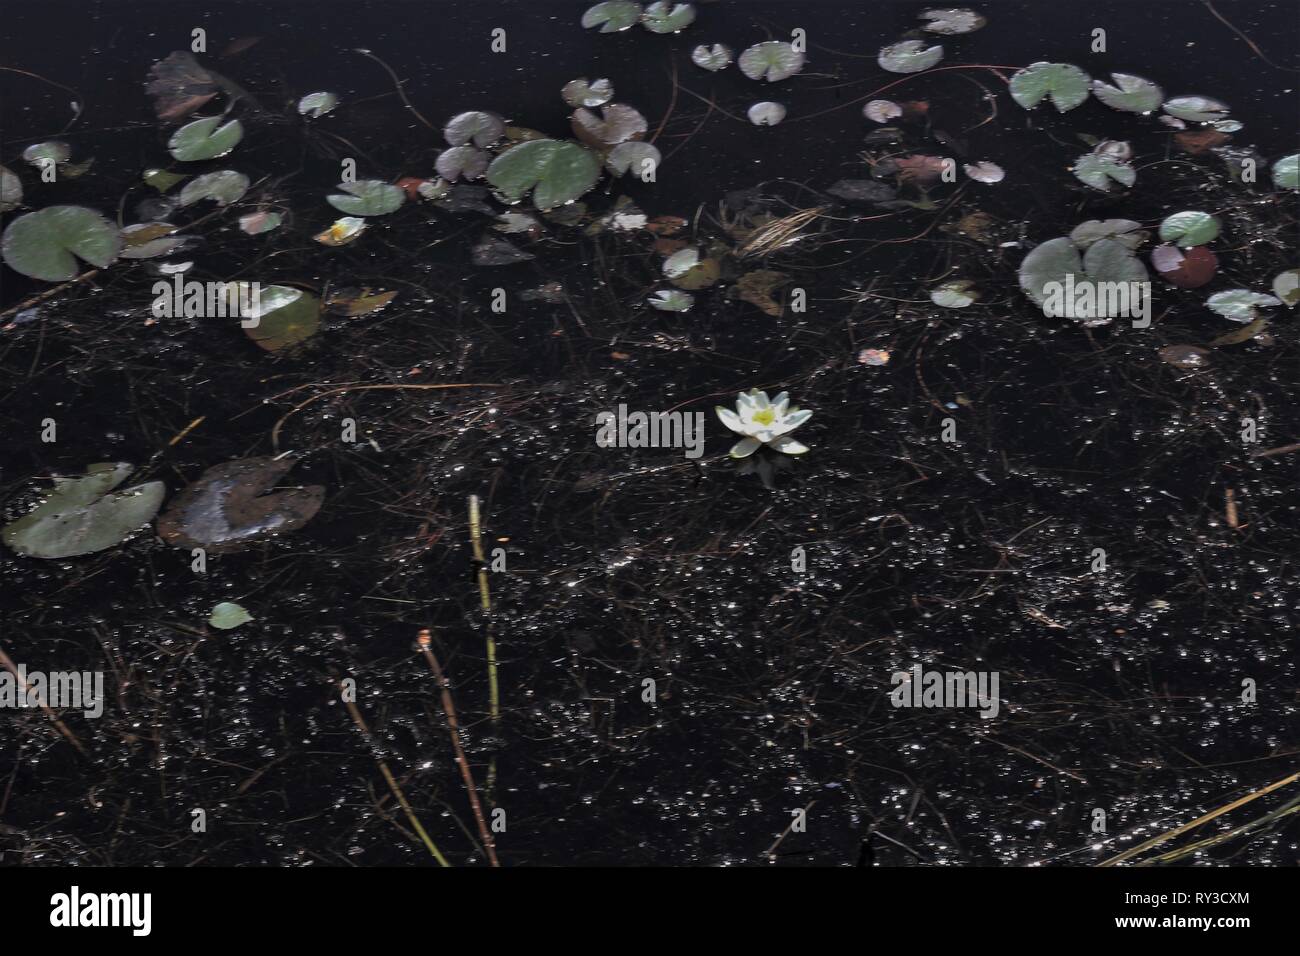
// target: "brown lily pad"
[[756, 288], [228, 508]]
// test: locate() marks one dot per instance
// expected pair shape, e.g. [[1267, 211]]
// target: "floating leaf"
[[716, 57], [256, 223], [1097, 171], [11, 190], [756, 288], [223, 187], [317, 105], [180, 85], [1196, 142], [369, 197], [952, 20], [632, 155], [462, 162], [920, 168], [1189, 228], [1243, 334], [1064, 83], [773, 60], [882, 111], [1187, 270], [80, 516], [498, 252], [47, 243], [1228, 126], [205, 139], [766, 113], [1132, 94], [581, 93], [1124, 231], [483, 129], [1240, 304], [161, 179], [617, 124], [228, 615], [277, 317], [226, 509], [147, 240], [511, 223], [956, 294], [612, 16], [341, 231], [985, 172], [1286, 286], [909, 56], [556, 172], [47, 154], [1286, 172], [1105, 260], [681, 262], [1196, 109], [1185, 356], [667, 17], [704, 274], [671, 300]]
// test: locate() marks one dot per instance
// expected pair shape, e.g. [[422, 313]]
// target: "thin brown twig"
[[453, 728], [12, 668]]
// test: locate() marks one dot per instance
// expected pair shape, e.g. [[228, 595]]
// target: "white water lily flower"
[[764, 421]]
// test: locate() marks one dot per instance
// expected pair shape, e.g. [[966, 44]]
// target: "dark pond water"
[[1120, 689]]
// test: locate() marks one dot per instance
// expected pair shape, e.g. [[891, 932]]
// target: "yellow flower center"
[[764, 416]]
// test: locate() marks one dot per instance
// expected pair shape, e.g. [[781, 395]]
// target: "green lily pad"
[[909, 56], [631, 156], [227, 615], [1064, 83], [1124, 231], [256, 223], [556, 172], [47, 243], [43, 154], [81, 517], [671, 300], [612, 16], [712, 58], [1240, 304], [162, 179], [581, 93], [462, 162], [223, 187], [369, 197], [279, 317], [1286, 286], [204, 139], [618, 124], [1196, 109], [1129, 93], [317, 105], [951, 21], [667, 17], [956, 294], [772, 60], [11, 190], [1105, 260], [477, 127], [1098, 171], [1190, 228], [1286, 172]]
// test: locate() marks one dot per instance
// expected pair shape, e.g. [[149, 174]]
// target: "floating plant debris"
[[229, 507]]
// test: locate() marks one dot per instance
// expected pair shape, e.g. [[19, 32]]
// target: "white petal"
[[788, 446], [745, 447], [730, 419], [761, 399], [796, 418], [744, 401], [781, 403]]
